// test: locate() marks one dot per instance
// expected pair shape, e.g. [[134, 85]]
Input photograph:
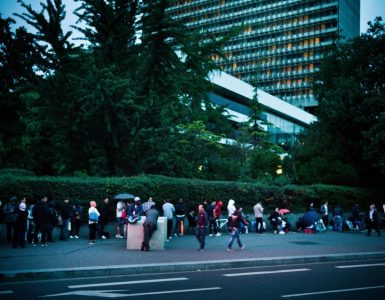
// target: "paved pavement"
[[76, 258]]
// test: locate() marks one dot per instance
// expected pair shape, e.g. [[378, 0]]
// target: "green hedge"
[[83, 189]]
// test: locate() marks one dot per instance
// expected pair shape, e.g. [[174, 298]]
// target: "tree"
[[350, 88], [18, 58]]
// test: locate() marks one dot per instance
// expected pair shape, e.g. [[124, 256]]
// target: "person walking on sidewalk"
[[212, 223], [233, 225], [93, 219], [202, 221], [149, 226], [10, 215], [258, 214], [168, 212], [372, 220]]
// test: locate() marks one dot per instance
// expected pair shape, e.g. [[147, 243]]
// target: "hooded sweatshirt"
[[217, 209], [231, 207]]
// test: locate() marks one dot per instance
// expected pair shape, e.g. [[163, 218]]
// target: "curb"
[[60, 273]]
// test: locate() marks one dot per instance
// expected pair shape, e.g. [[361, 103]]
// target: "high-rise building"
[[281, 43]]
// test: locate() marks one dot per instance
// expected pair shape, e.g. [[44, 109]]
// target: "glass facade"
[[282, 41]]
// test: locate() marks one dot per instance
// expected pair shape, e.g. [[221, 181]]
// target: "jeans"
[[234, 235], [201, 235], [259, 225]]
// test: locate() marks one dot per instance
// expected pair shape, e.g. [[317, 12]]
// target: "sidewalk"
[[76, 258]]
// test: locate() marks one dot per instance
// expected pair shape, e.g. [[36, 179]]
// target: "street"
[[337, 280]]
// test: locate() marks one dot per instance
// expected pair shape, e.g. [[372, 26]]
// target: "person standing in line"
[[258, 214], [168, 212], [210, 214], [66, 212], [103, 220], [38, 213], [234, 225], [10, 215], [76, 220], [217, 215], [149, 226], [93, 219], [120, 208], [372, 220], [180, 214], [202, 221], [20, 226], [148, 204], [231, 207], [325, 213]]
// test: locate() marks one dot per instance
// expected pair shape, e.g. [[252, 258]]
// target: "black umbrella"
[[124, 196]]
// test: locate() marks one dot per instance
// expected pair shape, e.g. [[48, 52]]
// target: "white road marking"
[[360, 266], [174, 292], [6, 292], [334, 291], [265, 272], [111, 294], [126, 282]]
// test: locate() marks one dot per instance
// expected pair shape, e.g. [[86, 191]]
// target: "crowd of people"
[[34, 223]]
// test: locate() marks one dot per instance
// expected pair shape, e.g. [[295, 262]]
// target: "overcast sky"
[[369, 10]]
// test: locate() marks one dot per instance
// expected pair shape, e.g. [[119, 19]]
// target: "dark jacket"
[[21, 221], [104, 213], [202, 219], [152, 216], [66, 211], [180, 209]]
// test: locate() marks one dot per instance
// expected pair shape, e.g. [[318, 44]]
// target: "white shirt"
[[258, 210], [119, 209], [168, 210]]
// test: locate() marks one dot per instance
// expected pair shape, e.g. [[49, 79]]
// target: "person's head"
[[137, 200], [277, 209], [180, 200], [93, 204], [23, 200], [150, 199], [200, 208], [213, 203], [372, 206], [13, 200], [66, 201], [105, 200], [22, 206], [44, 199]]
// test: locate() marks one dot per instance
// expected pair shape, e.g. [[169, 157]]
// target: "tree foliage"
[[346, 145]]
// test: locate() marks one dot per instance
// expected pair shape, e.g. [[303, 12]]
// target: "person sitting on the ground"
[[276, 221], [356, 219], [337, 218]]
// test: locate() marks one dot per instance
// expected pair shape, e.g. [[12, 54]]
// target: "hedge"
[[294, 197]]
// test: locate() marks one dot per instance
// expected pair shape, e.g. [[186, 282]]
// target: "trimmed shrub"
[[293, 197]]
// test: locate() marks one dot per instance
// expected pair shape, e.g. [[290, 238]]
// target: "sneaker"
[[229, 249], [210, 234], [218, 234], [103, 237], [118, 236], [71, 237], [243, 247], [91, 242], [281, 232], [76, 237]]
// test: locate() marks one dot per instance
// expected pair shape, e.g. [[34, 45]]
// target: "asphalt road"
[[337, 280]]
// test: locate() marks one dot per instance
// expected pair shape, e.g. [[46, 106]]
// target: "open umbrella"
[[283, 211], [124, 196]]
